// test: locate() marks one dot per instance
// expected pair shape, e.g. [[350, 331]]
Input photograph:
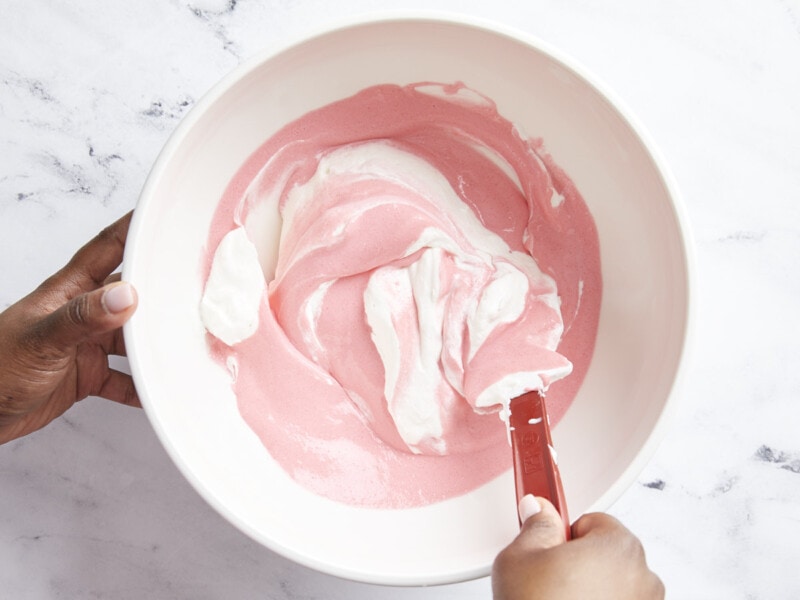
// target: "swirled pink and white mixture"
[[387, 272]]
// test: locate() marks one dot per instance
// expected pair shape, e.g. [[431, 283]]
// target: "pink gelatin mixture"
[[315, 396]]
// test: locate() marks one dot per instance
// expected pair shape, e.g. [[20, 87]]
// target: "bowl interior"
[[608, 432]]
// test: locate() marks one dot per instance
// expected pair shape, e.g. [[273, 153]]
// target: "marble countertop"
[[92, 507]]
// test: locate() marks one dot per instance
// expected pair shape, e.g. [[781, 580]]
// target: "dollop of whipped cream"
[[234, 289], [388, 282]]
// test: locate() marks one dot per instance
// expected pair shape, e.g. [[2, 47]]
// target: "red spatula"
[[535, 463]]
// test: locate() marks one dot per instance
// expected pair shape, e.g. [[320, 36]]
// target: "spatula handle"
[[535, 461]]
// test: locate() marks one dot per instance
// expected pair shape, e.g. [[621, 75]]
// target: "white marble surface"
[[91, 507]]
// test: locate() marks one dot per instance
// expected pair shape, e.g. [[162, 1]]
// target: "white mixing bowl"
[[618, 417]]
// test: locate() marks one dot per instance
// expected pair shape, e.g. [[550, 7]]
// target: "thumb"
[[89, 314], [542, 529], [542, 526]]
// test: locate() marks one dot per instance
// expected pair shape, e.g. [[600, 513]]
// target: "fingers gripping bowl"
[[618, 415]]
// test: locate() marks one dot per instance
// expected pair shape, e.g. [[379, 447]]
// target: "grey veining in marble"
[[91, 507]]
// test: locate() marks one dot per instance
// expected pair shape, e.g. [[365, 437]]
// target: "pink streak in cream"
[[427, 252]]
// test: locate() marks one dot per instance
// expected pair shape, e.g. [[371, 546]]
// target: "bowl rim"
[[223, 85]]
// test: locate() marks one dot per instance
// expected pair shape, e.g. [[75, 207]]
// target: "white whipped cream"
[[428, 318], [414, 320], [232, 297]]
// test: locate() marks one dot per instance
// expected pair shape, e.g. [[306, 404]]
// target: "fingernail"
[[528, 506], [118, 298]]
